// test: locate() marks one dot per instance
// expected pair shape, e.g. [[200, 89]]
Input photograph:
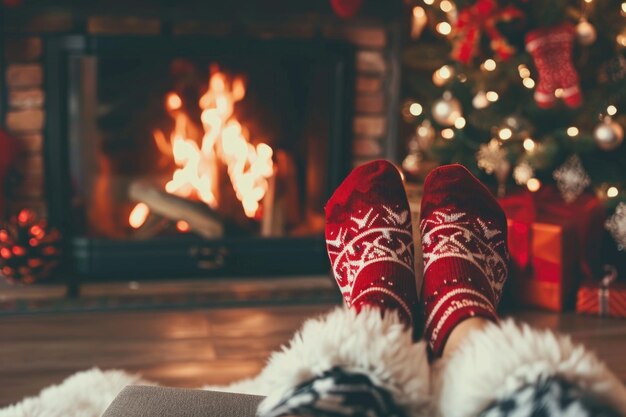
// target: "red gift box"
[[606, 298], [552, 245]]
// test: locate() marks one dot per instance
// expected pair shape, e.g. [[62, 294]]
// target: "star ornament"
[[571, 179], [616, 225]]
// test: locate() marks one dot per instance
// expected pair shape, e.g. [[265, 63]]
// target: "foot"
[[369, 240], [465, 252]]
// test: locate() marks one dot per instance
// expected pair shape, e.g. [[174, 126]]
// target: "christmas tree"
[[525, 94]]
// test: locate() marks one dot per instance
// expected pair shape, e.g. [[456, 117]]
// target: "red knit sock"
[[369, 240], [465, 253]]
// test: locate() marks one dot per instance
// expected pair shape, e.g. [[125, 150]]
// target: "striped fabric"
[[551, 397], [337, 394]]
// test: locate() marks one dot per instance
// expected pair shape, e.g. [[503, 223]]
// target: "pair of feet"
[[370, 245]]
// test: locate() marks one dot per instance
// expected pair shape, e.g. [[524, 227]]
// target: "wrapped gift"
[[552, 245], [606, 298]]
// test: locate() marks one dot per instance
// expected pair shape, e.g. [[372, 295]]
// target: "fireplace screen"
[[239, 140]]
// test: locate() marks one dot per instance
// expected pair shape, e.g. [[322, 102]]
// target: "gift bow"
[[484, 15]]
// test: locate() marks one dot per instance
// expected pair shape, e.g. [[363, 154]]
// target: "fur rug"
[[71, 398]]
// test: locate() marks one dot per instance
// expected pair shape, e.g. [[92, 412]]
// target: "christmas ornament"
[[551, 49], [522, 173], [28, 248], [346, 8], [425, 135], [446, 110], [571, 179], [482, 16], [492, 158], [616, 225], [9, 149], [585, 32], [608, 135]]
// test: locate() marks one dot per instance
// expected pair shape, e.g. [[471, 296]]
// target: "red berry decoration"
[[29, 249], [346, 8]]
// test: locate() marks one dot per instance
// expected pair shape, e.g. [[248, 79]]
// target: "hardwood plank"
[[192, 348]]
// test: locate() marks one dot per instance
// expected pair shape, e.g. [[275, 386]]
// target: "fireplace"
[[166, 143], [222, 152]]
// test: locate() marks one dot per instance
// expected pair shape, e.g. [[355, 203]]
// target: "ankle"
[[459, 334]]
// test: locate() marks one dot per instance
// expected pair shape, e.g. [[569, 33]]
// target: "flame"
[[138, 215], [223, 141]]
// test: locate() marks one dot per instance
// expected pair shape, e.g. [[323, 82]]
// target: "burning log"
[[200, 218], [153, 226]]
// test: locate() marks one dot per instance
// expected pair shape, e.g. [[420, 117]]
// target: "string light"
[[444, 28], [529, 144], [612, 192], [459, 123], [588, 1], [442, 75], [533, 185], [528, 83], [489, 65], [624, 9], [415, 109], [505, 133], [419, 22], [611, 110], [492, 96], [621, 39], [558, 93], [572, 131], [447, 134], [523, 70], [419, 12], [446, 6], [429, 2]]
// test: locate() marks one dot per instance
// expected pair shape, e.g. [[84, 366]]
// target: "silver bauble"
[[608, 135], [425, 135], [446, 110], [585, 32]]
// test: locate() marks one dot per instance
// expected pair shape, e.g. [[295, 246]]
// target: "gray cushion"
[[142, 401]]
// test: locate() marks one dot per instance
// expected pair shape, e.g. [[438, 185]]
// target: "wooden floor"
[[192, 348]]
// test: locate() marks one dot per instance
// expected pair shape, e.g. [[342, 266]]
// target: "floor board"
[[191, 348]]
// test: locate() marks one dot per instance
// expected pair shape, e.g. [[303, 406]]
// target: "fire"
[[223, 141], [138, 215]]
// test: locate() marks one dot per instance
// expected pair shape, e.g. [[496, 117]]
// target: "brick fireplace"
[[373, 35]]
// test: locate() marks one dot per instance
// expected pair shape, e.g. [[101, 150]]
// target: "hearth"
[[170, 156]]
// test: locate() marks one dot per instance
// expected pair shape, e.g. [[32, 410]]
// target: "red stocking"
[[551, 49]]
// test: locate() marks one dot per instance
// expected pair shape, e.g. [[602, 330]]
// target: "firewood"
[[201, 219]]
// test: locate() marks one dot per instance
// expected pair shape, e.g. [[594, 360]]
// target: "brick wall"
[[375, 99]]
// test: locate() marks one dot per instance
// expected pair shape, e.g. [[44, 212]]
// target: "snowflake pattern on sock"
[[454, 236], [381, 234], [448, 235]]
